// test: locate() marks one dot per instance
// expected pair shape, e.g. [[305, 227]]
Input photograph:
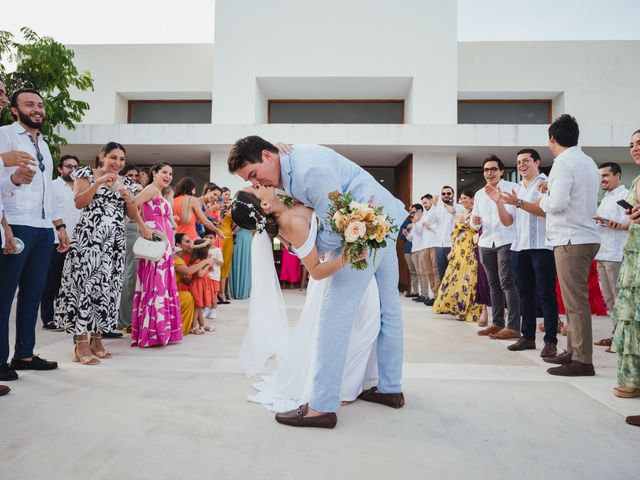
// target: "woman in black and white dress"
[[92, 276]]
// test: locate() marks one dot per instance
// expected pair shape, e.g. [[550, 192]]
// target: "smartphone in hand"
[[624, 204]]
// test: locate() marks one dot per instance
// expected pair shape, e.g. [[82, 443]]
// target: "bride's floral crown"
[[261, 220]]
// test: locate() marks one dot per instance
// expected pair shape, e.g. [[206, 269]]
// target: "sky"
[[191, 21]]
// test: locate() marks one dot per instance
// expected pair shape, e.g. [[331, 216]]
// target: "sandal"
[[207, 328], [100, 353], [86, 359], [197, 330], [605, 342], [626, 392]]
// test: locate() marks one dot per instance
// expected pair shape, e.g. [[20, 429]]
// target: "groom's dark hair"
[[248, 150]]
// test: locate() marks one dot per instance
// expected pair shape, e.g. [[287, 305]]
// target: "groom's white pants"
[[342, 297]]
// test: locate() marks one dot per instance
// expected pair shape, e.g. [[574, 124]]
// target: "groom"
[[308, 174]]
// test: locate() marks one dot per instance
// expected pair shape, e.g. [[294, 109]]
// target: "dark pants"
[[497, 265], [54, 278], [442, 260], [536, 272], [26, 272]]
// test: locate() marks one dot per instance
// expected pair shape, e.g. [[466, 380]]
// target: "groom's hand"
[[284, 148]]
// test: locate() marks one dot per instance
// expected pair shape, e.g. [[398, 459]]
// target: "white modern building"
[[385, 83]]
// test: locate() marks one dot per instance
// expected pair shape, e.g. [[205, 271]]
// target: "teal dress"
[[241, 265], [626, 311]]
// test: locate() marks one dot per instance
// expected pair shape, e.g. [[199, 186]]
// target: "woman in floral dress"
[[156, 316], [92, 276], [458, 289], [626, 311]]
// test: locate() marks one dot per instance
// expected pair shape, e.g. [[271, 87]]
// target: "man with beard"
[[62, 188], [31, 216]]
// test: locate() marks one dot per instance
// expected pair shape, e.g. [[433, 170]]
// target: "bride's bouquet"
[[360, 226]]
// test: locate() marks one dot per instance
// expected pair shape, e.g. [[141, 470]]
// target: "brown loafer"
[[561, 359], [505, 334], [573, 369], [522, 344], [550, 350], [489, 330], [393, 400], [296, 418], [633, 420], [4, 390]]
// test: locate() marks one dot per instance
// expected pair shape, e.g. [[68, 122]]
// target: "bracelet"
[[62, 225]]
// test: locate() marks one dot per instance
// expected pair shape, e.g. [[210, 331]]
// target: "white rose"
[[354, 231]]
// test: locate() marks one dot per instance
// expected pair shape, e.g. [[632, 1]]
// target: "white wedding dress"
[[291, 385]]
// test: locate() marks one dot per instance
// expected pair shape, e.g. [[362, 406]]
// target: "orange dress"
[[202, 289], [188, 228]]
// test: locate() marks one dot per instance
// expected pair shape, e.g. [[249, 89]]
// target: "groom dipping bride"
[[308, 173]]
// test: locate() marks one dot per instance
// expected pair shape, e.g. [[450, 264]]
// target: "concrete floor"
[[474, 410]]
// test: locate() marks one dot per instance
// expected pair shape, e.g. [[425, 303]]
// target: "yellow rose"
[[358, 215], [380, 233], [340, 220]]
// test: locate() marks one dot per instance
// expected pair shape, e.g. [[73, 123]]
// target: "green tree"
[[46, 65]]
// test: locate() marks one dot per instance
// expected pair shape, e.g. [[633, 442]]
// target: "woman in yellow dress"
[[227, 228], [458, 289]]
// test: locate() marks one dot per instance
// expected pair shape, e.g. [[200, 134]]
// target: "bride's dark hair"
[[247, 213]]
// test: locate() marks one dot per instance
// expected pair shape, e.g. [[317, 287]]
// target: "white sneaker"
[[212, 313], [205, 312]]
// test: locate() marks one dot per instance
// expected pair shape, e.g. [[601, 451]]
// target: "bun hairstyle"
[[247, 213], [106, 148], [155, 169]]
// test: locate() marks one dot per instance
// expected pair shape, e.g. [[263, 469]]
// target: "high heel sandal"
[[197, 330], [104, 354], [85, 359]]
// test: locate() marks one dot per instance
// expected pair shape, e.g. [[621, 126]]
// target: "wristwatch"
[[520, 203], [62, 225]]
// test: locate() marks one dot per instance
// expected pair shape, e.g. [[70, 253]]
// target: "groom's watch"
[[520, 203]]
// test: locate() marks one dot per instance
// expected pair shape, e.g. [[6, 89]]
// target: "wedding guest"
[[215, 256], [188, 209], [570, 204], [130, 262], [200, 285], [143, 178], [181, 258], [156, 316], [93, 270], [290, 268], [210, 206], [241, 267], [443, 221], [458, 293], [30, 215], [408, 256], [614, 225], [413, 233], [62, 188], [228, 227], [428, 254], [532, 258], [626, 310], [495, 252]]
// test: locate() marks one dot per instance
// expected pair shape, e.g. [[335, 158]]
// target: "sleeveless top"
[[306, 248]]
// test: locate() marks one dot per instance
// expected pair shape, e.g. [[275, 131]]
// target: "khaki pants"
[[413, 274], [608, 276], [421, 271], [572, 264], [431, 266]]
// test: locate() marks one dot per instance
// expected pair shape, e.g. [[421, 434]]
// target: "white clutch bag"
[[151, 250]]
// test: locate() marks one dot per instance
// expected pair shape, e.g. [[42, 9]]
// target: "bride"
[[259, 208]]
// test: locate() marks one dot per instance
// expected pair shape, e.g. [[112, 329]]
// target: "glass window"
[[345, 111], [504, 112], [178, 111]]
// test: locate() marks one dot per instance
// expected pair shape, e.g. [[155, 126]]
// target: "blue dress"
[[241, 265]]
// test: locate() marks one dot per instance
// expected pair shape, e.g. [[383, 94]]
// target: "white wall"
[[431, 172], [220, 173], [599, 79], [334, 38], [142, 72]]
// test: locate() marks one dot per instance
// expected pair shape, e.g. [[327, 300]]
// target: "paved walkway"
[[474, 410]]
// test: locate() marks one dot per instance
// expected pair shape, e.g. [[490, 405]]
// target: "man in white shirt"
[[613, 224], [413, 233], [414, 286], [443, 221], [531, 257], [570, 204], [431, 242], [495, 252], [31, 216], [62, 188]]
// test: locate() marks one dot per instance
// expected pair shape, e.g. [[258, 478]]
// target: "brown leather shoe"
[[393, 400], [573, 369], [4, 390], [633, 420], [562, 359], [489, 330], [522, 344], [296, 418], [549, 350], [505, 334]]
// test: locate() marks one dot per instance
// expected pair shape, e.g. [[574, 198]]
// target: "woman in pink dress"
[[156, 318], [290, 269]]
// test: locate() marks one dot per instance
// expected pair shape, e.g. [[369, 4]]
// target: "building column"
[[220, 173], [431, 171]]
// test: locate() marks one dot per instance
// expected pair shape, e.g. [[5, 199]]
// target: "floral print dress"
[[91, 284], [457, 293], [626, 310]]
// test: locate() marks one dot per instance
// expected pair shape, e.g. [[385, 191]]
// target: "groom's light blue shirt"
[[311, 172]]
